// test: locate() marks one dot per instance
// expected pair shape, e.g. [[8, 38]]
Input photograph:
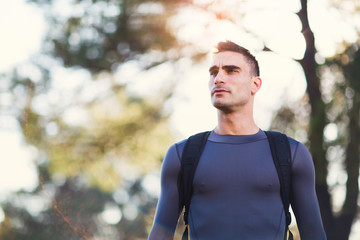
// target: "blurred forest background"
[[96, 106]]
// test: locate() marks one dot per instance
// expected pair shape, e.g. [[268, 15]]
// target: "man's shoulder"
[[298, 149], [177, 148], [295, 144], [180, 145]]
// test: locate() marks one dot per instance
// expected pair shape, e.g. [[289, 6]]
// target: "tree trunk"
[[336, 227], [345, 219], [317, 120]]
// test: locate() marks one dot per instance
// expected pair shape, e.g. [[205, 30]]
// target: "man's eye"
[[213, 73]]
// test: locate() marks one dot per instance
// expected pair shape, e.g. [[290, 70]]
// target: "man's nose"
[[219, 78]]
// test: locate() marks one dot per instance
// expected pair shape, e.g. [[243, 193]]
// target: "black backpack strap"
[[193, 149], [280, 150]]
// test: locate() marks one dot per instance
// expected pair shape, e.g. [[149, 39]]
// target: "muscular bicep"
[[167, 212], [303, 196]]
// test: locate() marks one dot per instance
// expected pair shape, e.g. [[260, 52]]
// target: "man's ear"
[[256, 85]]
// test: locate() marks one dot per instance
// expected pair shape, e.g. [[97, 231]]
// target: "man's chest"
[[236, 168]]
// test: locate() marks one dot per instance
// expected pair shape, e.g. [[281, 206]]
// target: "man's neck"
[[235, 124]]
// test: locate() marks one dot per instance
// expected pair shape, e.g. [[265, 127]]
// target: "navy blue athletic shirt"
[[237, 192]]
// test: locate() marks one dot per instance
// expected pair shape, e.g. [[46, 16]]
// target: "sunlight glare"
[[330, 27], [111, 214], [121, 196], [76, 116], [330, 132], [281, 36], [36, 204], [68, 79], [18, 170], [130, 211], [151, 183], [20, 38]]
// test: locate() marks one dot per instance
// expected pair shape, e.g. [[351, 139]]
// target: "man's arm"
[[167, 212], [303, 196]]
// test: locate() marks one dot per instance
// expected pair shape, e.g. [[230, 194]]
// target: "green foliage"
[[134, 134], [100, 35], [82, 167], [292, 119], [341, 102], [344, 68], [73, 212]]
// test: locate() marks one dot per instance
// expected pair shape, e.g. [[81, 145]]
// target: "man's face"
[[231, 83]]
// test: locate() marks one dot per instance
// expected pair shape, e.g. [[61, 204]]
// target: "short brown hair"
[[233, 47]]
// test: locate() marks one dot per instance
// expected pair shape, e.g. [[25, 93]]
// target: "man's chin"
[[222, 106]]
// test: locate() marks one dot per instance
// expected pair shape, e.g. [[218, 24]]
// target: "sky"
[[22, 28]]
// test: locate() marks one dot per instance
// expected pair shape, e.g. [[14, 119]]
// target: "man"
[[236, 190]]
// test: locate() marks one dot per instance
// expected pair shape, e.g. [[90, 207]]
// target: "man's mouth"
[[219, 90]]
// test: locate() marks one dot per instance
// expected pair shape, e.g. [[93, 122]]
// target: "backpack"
[[280, 150]]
